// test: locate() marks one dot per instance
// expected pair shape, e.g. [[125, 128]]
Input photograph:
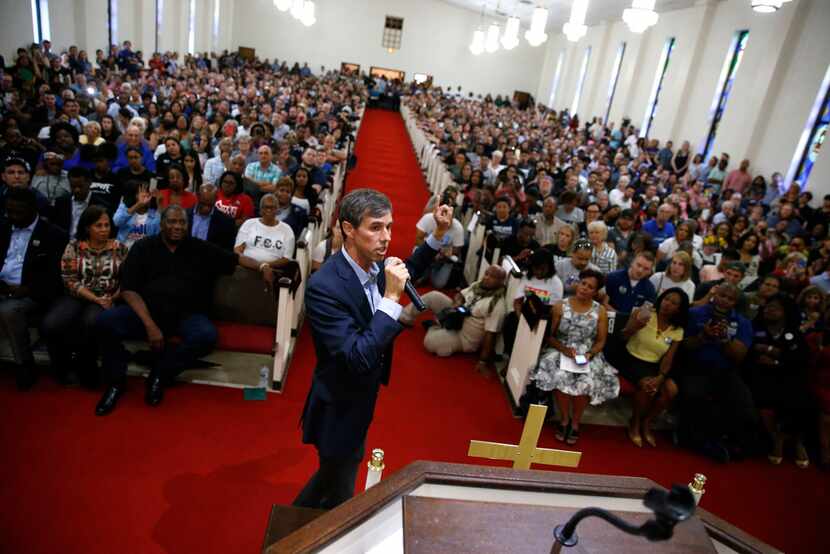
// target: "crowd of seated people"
[[128, 185], [715, 277]]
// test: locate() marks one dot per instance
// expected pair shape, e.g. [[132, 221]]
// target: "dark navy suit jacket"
[[354, 353]]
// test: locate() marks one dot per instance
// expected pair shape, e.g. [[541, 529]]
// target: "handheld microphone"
[[413, 295]]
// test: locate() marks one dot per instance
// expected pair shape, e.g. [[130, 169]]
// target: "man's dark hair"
[[25, 196], [134, 149], [567, 197], [87, 219], [63, 126], [527, 223], [627, 213], [647, 254], [78, 171], [769, 276], [168, 210], [731, 254], [736, 266], [107, 151], [362, 203]]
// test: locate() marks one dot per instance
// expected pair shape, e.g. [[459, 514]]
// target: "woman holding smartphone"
[[574, 368], [653, 336]]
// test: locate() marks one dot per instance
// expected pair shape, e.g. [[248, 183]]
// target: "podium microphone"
[[669, 507]]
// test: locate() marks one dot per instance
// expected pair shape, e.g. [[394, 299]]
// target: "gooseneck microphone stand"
[[669, 507]]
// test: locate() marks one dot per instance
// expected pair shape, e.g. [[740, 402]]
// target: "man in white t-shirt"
[[441, 270], [265, 239]]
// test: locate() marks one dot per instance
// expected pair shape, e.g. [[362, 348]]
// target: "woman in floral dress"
[[579, 327]]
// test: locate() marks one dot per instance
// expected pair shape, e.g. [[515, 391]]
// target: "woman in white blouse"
[[678, 274]]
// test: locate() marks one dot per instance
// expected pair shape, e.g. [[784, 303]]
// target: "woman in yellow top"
[[652, 339]]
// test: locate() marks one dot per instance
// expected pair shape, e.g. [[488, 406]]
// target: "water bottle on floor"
[[263, 377]]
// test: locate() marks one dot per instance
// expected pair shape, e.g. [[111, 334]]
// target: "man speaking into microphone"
[[352, 303]]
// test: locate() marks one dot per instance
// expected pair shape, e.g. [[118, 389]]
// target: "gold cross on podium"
[[526, 452]]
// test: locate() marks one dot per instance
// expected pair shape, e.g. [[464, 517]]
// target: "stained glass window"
[[191, 28], [813, 137], [724, 89], [40, 21], [615, 77], [662, 67], [557, 74], [583, 72]]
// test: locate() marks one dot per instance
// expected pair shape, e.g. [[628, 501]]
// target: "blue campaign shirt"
[[658, 235], [710, 354], [623, 296], [201, 224], [12, 272]]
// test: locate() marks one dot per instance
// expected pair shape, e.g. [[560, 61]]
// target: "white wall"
[[62, 23], [436, 37], [786, 57], [17, 28]]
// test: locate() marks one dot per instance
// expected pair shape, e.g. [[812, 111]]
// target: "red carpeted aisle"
[[199, 473]]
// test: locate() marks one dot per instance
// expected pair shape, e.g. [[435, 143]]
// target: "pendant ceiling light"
[[491, 44], [575, 27], [282, 5], [536, 35], [297, 8], [640, 16], [510, 39], [308, 19], [766, 6], [477, 46]]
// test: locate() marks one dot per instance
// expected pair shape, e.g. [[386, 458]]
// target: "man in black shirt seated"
[[166, 282], [521, 245]]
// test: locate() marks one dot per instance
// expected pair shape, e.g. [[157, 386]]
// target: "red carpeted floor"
[[200, 473]]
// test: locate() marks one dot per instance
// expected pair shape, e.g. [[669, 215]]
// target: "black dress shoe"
[[155, 391], [109, 400]]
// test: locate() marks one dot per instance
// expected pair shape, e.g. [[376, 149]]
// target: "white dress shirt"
[[369, 282]]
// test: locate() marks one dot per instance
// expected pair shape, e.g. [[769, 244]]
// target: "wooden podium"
[[432, 507]]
